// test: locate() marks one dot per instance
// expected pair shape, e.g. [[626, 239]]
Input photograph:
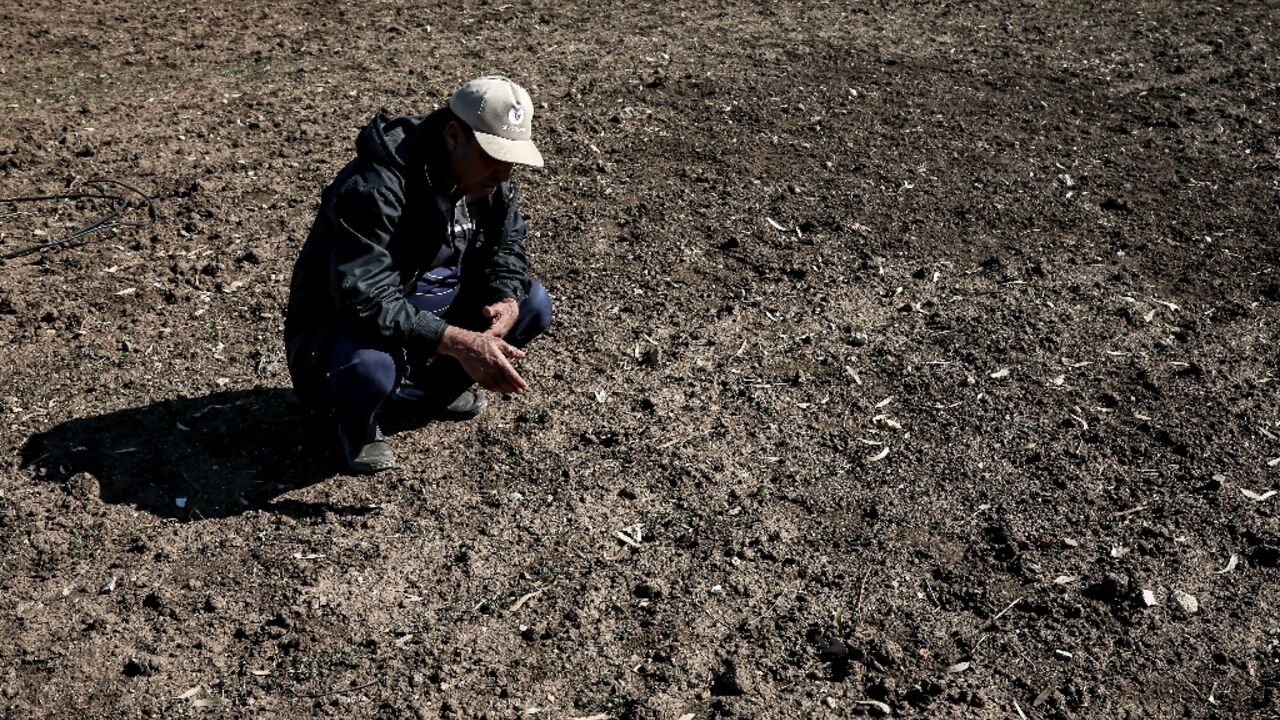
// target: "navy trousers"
[[364, 373]]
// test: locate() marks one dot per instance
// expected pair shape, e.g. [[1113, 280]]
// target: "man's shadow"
[[193, 458]]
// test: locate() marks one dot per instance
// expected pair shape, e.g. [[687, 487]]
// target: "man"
[[413, 285]]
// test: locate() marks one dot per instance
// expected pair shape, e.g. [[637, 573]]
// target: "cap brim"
[[520, 152]]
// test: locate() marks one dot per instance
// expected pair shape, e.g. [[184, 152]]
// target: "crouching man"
[[413, 285]]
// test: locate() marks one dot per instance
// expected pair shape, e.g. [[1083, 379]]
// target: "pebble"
[[1188, 602]]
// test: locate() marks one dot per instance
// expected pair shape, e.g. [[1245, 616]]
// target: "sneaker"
[[464, 406], [370, 457]]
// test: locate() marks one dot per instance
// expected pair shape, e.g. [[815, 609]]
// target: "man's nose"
[[503, 171]]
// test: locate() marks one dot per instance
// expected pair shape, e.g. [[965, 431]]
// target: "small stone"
[[1188, 602]]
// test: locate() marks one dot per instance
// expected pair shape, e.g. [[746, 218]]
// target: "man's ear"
[[452, 135]]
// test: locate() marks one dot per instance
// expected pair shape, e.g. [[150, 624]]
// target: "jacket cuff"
[[501, 291], [426, 332]]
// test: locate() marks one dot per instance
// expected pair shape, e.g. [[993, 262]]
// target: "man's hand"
[[502, 316], [486, 358]]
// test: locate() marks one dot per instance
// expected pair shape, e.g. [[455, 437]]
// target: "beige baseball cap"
[[501, 115]]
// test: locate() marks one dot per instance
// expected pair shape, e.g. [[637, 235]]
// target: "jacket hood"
[[405, 143]]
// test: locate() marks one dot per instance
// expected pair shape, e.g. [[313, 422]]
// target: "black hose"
[[110, 219]]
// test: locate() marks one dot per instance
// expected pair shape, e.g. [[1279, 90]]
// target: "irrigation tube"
[[108, 220]]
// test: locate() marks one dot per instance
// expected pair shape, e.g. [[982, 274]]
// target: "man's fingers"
[[501, 384], [492, 368], [498, 381], [514, 382], [512, 351]]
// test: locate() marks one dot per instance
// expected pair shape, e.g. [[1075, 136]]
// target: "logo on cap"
[[516, 116]]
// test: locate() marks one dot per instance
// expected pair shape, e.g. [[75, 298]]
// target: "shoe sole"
[[467, 415], [411, 399], [368, 468]]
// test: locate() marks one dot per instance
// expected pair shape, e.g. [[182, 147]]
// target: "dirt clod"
[[648, 591], [729, 681], [885, 652], [84, 487]]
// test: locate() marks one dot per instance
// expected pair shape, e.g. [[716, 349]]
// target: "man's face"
[[474, 172]]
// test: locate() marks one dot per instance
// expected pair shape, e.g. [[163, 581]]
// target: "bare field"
[[911, 359]]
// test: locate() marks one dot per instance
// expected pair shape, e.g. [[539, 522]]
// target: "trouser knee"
[[367, 376], [535, 315]]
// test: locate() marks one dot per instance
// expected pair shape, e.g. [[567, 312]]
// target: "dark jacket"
[[378, 229]]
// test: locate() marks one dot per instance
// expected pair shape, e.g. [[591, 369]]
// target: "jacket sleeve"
[[363, 279], [507, 269]]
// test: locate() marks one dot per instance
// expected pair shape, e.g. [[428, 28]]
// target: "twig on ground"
[[524, 599], [857, 605], [1007, 609], [340, 691]]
